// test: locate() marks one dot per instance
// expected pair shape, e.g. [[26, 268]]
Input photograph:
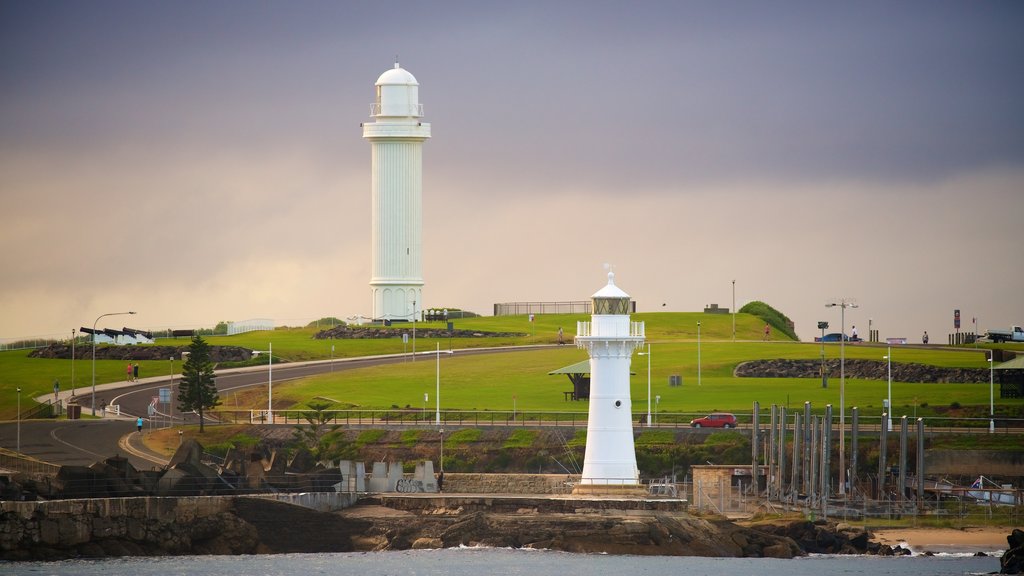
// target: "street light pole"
[[270, 384], [698, 353], [888, 359], [733, 310], [843, 304], [991, 393], [171, 408], [437, 392], [94, 353], [72, 362], [648, 354], [19, 420], [270, 381]]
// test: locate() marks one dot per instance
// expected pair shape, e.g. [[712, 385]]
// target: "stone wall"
[[131, 525], [147, 526], [509, 483]]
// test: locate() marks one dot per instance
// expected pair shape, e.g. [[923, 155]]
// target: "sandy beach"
[[986, 539]]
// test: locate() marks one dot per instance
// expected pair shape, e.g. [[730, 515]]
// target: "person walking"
[[138, 423], [128, 372], [135, 371], [767, 331]]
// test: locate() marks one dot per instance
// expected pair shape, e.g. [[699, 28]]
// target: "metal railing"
[[570, 418], [16, 462]]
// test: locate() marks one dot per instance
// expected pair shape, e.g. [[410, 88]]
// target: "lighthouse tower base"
[[614, 490]]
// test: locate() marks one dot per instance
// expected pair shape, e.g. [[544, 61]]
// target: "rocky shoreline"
[[148, 526]]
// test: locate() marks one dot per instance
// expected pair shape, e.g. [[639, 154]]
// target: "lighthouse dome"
[[397, 94], [611, 299], [397, 75]]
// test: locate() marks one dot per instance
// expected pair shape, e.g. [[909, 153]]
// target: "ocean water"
[[485, 562]]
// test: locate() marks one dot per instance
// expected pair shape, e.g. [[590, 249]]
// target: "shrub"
[[520, 439], [779, 321]]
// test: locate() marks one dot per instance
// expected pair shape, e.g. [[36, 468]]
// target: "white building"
[[396, 136], [610, 339]]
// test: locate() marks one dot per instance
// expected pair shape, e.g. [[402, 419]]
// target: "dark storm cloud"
[[235, 125]]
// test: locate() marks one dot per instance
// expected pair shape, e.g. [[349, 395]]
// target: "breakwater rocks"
[[1012, 561], [371, 332], [856, 368]]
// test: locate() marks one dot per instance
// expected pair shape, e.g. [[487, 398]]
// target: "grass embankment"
[[520, 380], [500, 381]]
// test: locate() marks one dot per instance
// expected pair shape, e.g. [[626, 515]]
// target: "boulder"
[[1012, 561]]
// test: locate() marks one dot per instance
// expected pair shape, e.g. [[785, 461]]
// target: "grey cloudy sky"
[[200, 162]]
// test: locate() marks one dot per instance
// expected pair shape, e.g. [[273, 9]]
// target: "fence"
[[521, 308], [15, 462], [570, 418]]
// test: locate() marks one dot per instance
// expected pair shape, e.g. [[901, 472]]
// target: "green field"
[[496, 382]]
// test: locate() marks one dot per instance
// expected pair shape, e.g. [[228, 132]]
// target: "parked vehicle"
[[1013, 335], [833, 337], [715, 420]]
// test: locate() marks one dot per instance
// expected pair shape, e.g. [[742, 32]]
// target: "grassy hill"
[[496, 382]]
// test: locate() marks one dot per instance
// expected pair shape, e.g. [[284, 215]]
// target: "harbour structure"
[[396, 137]]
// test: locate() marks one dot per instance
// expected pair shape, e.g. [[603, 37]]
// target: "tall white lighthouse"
[[610, 339], [396, 136]]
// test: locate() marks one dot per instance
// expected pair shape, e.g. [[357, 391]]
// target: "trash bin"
[[74, 411]]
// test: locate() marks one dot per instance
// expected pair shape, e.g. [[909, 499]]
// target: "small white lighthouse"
[[396, 136], [610, 339]]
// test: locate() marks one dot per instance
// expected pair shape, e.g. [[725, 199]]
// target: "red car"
[[715, 420]]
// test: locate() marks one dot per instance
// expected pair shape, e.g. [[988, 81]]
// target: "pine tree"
[[198, 389]]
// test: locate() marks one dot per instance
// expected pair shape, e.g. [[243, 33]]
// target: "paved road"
[[72, 442], [82, 442]]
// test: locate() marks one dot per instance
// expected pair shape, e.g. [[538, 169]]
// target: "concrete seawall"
[[150, 525]]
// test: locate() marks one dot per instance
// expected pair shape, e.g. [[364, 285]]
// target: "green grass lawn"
[[497, 382]]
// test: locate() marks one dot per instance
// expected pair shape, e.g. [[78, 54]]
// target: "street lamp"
[[991, 393], [270, 381], [440, 432], [888, 359], [72, 362], [94, 354], [733, 310], [171, 408], [698, 353], [19, 420], [843, 304], [648, 354], [824, 379], [437, 392]]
